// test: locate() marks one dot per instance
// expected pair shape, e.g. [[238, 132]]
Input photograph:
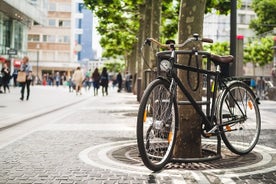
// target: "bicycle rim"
[[239, 114], [156, 125]]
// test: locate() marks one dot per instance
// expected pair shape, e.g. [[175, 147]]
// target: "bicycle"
[[232, 111]]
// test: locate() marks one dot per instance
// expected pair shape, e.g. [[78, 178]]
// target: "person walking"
[[78, 78], [104, 81], [96, 81], [128, 82], [57, 79], [14, 76], [260, 88], [119, 80], [6, 76], [27, 68]]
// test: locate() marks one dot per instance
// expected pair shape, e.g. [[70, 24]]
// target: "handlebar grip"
[[147, 41], [208, 40]]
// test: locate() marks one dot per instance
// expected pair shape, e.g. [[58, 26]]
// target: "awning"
[[16, 63], [2, 60]]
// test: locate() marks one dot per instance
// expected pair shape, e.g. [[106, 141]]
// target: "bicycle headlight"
[[165, 65]]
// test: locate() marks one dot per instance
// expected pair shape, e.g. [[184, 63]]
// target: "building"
[[65, 42], [217, 27], [84, 36], [15, 22], [51, 47]]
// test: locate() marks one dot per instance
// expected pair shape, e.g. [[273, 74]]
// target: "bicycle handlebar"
[[194, 38]]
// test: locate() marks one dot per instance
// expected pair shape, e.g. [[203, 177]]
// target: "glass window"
[[64, 23], [52, 22], [49, 38], [64, 7], [52, 7], [60, 39], [18, 35], [242, 19], [33, 38], [66, 39]]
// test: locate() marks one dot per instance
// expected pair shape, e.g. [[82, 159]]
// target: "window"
[[63, 39], [242, 19], [64, 23], [64, 7], [52, 22], [49, 38], [33, 38], [66, 39], [52, 7]]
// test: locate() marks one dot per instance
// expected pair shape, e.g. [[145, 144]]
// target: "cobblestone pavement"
[[80, 144]]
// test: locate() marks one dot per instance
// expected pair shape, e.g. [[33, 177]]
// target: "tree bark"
[[147, 33], [155, 27], [188, 142]]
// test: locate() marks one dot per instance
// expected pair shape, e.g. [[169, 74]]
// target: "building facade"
[[51, 47], [65, 42], [15, 22], [217, 26]]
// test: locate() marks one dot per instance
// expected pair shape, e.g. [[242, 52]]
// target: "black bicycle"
[[231, 112]]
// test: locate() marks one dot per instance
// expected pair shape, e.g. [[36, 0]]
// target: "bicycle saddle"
[[217, 59]]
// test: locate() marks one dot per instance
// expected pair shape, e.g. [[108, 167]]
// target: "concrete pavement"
[[110, 151], [43, 99]]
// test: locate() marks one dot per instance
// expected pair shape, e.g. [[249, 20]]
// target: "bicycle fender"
[[163, 78]]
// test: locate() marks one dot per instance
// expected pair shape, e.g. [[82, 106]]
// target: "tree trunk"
[[188, 142], [139, 61], [147, 33], [155, 27]]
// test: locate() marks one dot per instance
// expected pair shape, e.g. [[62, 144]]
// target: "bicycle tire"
[[238, 99], [157, 125]]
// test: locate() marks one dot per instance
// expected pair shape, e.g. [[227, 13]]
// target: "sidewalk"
[[43, 99], [111, 152]]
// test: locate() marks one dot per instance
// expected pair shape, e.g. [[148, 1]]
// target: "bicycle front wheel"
[[156, 125], [239, 118]]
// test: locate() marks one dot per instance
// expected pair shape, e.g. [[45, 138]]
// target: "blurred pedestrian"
[[96, 81], [119, 80], [70, 84], [128, 82], [260, 87], [104, 81], [57, 79], [27, 68], [6, 76], [78, 78], [14, 76]]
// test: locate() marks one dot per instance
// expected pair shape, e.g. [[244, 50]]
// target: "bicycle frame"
[[208, 117]]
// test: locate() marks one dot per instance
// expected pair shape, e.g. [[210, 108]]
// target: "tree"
[[259, 52], [188, 141], [119, 27], [220, 48], [266, 16]]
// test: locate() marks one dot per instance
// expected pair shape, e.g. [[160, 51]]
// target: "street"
[[93, 140]]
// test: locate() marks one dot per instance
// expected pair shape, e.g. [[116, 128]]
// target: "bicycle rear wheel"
[[156, 125], [239, 117]]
